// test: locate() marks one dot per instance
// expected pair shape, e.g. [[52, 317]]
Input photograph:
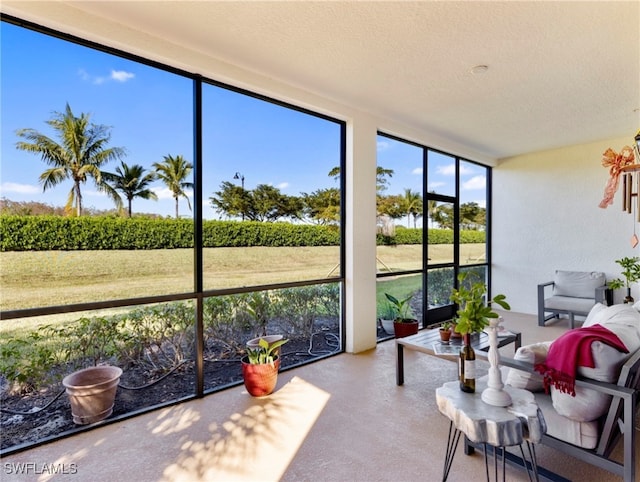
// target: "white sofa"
[[588, 425]]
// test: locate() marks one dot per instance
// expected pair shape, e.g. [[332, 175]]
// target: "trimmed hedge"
[[43, 233]]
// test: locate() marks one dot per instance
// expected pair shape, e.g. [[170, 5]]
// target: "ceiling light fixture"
[[479, 69]]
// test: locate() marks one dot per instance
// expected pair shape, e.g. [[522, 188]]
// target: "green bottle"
[[467, 367]]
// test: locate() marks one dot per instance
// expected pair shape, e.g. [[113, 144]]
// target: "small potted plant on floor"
[[388, 315], [260, 367], [631, 273], [405, 323]]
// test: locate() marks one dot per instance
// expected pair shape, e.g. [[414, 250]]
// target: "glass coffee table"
[[428, 341]]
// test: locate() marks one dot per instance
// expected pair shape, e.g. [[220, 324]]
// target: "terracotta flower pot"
[[445, 335], [92, 392], [260, 380]]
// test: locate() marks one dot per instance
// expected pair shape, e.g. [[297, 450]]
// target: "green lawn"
[[48, 278]]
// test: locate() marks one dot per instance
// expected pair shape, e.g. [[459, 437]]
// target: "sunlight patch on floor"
[[257, 444]]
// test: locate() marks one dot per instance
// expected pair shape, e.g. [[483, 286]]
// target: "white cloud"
[[87, 192], [19, 188], [166, 193], [116, 75], [418, 171], [121, 75], [465, 169], [283, 185], [162, 192], [476, 182], [383, 145], [84, 75], [450, 170]]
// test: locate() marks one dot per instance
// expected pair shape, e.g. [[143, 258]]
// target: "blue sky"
[[150, 115]]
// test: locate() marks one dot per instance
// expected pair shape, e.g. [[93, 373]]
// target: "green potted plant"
[[388, 315], [473, 313], [631, 273], [445, 332], [260, 367], [405, 323]]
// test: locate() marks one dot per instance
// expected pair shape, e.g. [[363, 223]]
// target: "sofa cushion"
[[582, 434], [623, 320], [597, 308], [588, 404], [578, 284], [534, 353]]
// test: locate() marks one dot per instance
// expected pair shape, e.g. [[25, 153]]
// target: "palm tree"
[[381, 177], [131, 181], [432, 210], [173, 172], [80, 154], [412, 205]]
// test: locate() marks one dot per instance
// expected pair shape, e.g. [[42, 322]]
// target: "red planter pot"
[[260, 380], [405, 328]]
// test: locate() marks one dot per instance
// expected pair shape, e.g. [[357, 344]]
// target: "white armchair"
[[572, 293]]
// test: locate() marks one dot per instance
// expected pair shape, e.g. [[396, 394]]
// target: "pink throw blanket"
[[571, 350]]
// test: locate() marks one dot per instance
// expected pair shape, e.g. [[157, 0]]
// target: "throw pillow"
[[534, 353]]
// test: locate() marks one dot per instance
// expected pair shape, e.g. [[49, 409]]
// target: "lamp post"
[[237, 175]]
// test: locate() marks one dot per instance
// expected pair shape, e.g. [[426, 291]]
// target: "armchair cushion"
[[577, 284]]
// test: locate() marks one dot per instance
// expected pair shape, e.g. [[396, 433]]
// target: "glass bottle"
[[467, 366]]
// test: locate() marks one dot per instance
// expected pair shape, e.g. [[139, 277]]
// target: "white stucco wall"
[[546, 217]]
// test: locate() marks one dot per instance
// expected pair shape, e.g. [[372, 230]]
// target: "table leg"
[[399, 364], [532, 472], [452, 445]]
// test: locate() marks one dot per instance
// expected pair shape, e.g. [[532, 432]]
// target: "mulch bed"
[[21, 429]]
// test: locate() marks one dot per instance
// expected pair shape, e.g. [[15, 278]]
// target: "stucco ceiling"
[[559, 73]]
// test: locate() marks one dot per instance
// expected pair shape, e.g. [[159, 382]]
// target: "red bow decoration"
[[615, 163]]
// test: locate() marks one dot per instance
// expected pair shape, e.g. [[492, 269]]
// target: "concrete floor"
[[341, 419]]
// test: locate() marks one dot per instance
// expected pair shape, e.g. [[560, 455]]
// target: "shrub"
[[27, 363], [43, 233]]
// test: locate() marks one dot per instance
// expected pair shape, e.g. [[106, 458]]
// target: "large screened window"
[[432, 210], [142, 118], [157, 221], [271, 176]]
